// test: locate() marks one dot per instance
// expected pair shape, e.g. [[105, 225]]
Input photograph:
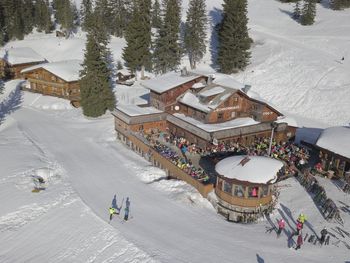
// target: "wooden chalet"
[[59, 79], [334, 150], [214, 113], [14, 60], [165, 89]]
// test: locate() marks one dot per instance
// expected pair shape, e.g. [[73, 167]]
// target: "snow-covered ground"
[[296, 68]]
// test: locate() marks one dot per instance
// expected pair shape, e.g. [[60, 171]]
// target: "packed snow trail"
[[166, 229]]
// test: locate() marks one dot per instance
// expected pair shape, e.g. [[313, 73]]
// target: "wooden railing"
[[244, 202], [163, 163]]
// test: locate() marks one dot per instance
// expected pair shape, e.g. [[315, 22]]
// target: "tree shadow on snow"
[[11, 103], [289, 13], [215, 18]]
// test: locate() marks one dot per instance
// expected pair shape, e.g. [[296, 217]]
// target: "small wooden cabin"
[[14, 60], [59, 79], [245, 186], [125, 77], [165, 89], [334, 150]]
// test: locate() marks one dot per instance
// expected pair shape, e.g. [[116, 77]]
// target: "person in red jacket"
[[299, 241], [281, 226]]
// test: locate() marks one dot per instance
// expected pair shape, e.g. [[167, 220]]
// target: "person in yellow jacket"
[[111, 213], [302, 218]]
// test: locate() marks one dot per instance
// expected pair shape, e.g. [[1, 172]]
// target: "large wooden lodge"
[[207, 111], [60, 79], [14, 60]]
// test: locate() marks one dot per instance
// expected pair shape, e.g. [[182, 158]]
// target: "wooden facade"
[[9, 71], [44, 82], [167, 100], [145, 123], [237, 105], [334, 162]]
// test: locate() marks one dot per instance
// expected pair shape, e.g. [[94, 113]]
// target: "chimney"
[[246, 88]]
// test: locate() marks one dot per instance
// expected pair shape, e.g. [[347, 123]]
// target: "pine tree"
[[95, 84], [28, 16], [339, 4], [13, 19], [308, 13], [195, 31], [104, 10], [2, 85], [119, 65], [120, 16], [43, 16], [2, 25], [138, 37], [234, 41], [65, 14], [85, 13], [156, 16], [167, 53], [296, 12]]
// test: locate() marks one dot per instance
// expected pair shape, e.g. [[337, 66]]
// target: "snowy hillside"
[[295, 68]]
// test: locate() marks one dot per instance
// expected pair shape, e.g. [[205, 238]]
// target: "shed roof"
[[238, 122], [253, 169], [67, 70], [24, 55], [336, 139], [168, 81], [134, 110]]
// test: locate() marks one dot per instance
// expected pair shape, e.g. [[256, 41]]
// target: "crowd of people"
[[181, 162]]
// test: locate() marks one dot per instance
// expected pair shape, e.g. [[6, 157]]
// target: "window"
[[220, 116], [233, 114], [239, 191], [253, 191], [227, 187], [265, 190]]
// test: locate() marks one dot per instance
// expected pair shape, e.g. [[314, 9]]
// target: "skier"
[[111, 212], [324, 232], [299, 228], [299, 241], [127, 202], [281, 225], [302, 218], [126, 215]]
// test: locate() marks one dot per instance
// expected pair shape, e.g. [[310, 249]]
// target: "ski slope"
[[169, 222], [296, 68]]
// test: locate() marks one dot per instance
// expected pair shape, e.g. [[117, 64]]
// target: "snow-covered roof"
[[211, 92], [198, 101], [134, 110], [167, 81], [16, 56], [238, 122], [287, 119], [67, 70], [124, 71], [198, 85], [336, 139], [253, 169], [227, 81]]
